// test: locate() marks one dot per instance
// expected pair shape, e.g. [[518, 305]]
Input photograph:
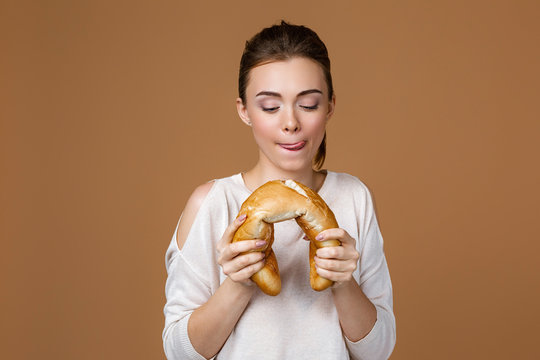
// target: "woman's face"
[[287, 107]]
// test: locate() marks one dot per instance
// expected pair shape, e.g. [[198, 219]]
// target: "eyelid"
[[269, 104], [269, 109], [312, 107]]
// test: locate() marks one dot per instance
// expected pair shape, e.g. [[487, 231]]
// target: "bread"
[[281, 200]]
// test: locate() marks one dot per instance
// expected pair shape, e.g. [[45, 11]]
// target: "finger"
[[335, 276], [336, 234], [338, 252], [246, 273], [239, 247], [240, 263], [229, 232], [332, 252], [335, 265]]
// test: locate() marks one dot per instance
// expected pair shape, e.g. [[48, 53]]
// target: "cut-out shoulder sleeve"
[[190, 212], [193, 274]]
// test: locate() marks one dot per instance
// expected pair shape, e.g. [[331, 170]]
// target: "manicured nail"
[[319, 237], [242, 217], [260, 243]]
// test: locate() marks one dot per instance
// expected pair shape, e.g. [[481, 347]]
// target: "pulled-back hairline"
[[285, 58]]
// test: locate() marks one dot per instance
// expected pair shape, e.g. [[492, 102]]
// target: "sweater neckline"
[[322, 191]]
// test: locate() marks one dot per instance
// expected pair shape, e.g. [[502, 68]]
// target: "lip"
[[294, 146]]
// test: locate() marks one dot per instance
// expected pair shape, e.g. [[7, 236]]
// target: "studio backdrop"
[[112, 112]]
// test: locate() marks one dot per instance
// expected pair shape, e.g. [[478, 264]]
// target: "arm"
[[211, 324], [356, 312], [364, 302], [202, 320]]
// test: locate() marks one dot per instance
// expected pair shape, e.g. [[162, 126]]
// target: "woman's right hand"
[[209, 326], [239, 260]]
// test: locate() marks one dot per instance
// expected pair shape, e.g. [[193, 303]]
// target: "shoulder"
[[218, 187], [218, 191], [199, 194], [190, 211], [349, 189], [349, 183]]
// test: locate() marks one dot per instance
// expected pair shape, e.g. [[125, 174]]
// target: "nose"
[[290, 122]]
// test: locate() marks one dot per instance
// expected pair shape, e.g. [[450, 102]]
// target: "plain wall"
[[113, 112]]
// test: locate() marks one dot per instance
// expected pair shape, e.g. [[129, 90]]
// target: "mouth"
[[293, 147]]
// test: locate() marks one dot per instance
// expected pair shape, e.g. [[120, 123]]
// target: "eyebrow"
[[301, 93]]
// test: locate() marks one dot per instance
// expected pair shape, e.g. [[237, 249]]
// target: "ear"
[[331, 107], [242, 111]]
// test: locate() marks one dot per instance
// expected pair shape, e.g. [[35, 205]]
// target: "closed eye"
[[271, 109], [314, 107]]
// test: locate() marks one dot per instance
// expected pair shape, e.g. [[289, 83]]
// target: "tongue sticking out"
[[296, 146]]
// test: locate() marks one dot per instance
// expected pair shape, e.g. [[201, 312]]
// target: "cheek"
[[316, 126], [262, 130], [317, 131]]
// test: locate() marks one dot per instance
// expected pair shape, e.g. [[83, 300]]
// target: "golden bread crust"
[[281, 200]]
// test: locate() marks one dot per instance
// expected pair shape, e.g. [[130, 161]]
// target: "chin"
[[294, 166], [284, 164]]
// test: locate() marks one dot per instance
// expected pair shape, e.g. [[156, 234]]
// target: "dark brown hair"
[[282, 42]]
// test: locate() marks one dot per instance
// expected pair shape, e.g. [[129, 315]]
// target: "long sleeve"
[[374, 278], [193, 274], [185, 292], [279, 327]]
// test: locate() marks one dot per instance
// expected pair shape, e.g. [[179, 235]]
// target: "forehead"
[[287, 77]]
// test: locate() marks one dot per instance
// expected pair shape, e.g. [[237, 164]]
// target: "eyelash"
[[272, 109]]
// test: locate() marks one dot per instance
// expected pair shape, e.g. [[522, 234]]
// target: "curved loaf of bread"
[[281, 200]]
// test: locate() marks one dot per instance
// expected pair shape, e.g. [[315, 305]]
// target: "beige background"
[[112, 112]]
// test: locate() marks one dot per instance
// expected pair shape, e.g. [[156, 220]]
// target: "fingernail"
[[319, 237], [242, 217], [260, 243]]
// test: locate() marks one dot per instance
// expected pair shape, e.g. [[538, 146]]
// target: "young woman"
[[213, 309]]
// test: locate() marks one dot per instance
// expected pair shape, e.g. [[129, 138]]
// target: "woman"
[[213, 308]]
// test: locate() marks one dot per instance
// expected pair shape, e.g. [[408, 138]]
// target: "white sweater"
[[299, 323]]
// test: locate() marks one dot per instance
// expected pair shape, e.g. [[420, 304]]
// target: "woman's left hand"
[[337, 263]]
